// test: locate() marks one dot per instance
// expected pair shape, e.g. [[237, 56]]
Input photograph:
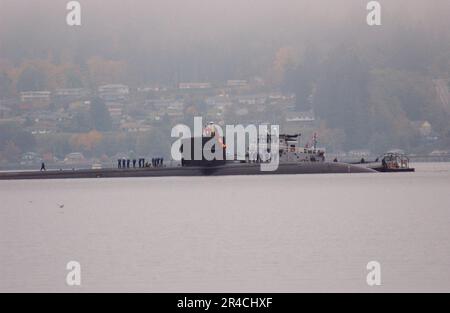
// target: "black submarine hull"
[[221, 170]]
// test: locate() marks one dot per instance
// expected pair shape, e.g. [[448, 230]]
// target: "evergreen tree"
[[101, 119]]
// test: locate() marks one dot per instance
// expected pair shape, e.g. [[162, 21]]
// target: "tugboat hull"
[[394, 170]]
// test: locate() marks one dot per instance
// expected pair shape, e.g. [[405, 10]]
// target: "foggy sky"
[[211, 31]]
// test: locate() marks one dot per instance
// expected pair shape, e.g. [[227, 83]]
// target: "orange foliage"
[[283, 57], [86, 141]]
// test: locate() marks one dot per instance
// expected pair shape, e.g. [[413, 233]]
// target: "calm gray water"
[[229, 234]]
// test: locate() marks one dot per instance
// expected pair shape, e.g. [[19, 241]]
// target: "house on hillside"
[[5, 112], [194, 85], [113, 92], [35, 100]]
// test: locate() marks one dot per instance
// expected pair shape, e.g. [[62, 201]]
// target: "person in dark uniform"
[[134, 163], [124, 163], [43, 167], [162, 161], [119, 163], [128, 163]]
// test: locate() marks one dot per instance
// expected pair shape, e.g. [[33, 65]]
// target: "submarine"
[[292, 160]]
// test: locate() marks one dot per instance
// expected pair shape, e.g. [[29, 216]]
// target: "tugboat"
[[394, 163], [390, 163]]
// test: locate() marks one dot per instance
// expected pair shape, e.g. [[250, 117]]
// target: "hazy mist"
[[206, 39]]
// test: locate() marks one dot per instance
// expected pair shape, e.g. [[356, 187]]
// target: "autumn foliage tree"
[[100, 115], [86, 142]]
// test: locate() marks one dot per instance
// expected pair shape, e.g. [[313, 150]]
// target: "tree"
[[12, 152], [301, 78], [101, 118], [86, 142], [102, 71], [73, 78], [284, 58], [32, 79], [81, 122], [10, 133], [5, 85], [300, 82], [342, 97]]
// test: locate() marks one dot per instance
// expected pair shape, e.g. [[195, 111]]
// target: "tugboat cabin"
[[395, 162]]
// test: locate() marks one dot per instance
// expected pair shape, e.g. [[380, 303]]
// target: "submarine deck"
[[223, 170]]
